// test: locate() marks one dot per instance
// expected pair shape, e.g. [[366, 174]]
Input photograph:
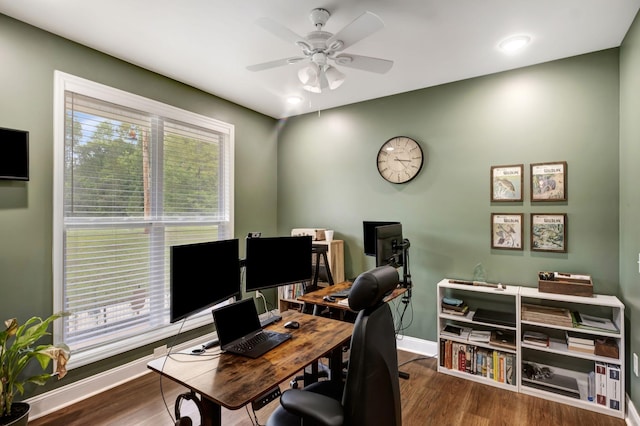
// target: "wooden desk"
[[316, 297], [233, 381]]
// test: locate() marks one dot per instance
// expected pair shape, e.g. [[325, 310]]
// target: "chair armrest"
[[320, 408]]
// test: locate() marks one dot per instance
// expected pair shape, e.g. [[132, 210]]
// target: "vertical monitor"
[[14, 154], [369, 235], [389, 245], [275, 261], [202, 275]]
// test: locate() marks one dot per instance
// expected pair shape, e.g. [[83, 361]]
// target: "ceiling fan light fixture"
[[334, 77], [309, 74]]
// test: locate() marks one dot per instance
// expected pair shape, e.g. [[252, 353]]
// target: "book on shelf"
[[591, 322], [580, 347], [480, 336], [503, 338], [613, 386], [535, 338], [451, 330], [578, 338], [547, 315], [454, 306], [601, 383]]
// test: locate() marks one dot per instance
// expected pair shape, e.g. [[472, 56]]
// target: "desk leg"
[[335, 364], [212, 413]]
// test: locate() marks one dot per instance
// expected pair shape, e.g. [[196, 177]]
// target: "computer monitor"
[[203, 275], [389, 245], [275, 261], [369, 235]]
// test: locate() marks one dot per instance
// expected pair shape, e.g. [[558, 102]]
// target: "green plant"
[[18, 348]]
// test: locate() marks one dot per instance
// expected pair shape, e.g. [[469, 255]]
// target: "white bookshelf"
[[557, 357]]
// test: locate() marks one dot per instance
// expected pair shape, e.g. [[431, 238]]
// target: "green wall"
[[28, 58], [629, 200], [565, 110]]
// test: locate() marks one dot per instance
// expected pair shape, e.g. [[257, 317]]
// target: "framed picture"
[[549, 232], [506, 231], [549, 181], [506, 183]]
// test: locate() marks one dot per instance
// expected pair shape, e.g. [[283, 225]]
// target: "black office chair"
[[371, 393]]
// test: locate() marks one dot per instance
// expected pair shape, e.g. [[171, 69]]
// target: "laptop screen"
[[236, 320]]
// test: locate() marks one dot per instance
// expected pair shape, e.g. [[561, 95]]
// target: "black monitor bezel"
[[264, 252], [217, 259]]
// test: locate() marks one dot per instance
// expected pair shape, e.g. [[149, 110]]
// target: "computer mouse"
[[292, 324], [329, 299]]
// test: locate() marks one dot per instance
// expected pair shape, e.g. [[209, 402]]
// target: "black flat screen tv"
[[203, 275], [14, 154], [369, 235], [275, 261]]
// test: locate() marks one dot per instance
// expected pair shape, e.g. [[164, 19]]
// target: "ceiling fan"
[[321, 47]]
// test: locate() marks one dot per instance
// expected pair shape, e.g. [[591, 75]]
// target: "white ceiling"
[[208, 43]]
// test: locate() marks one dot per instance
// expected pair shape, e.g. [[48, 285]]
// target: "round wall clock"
[[400, 159]]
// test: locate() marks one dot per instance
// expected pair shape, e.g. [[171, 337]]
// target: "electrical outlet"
[[160, 351], [635, 364]]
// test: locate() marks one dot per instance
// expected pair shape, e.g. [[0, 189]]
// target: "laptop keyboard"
[[251, 343]]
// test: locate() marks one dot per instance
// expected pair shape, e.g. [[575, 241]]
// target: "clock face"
[[400, 159]]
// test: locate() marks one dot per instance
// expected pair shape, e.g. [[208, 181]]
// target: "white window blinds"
[[137, 178]]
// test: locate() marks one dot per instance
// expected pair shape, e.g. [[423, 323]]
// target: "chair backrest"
[[372, 389]]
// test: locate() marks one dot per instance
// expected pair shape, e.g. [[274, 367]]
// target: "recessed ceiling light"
[[294, 100], [514, 43]]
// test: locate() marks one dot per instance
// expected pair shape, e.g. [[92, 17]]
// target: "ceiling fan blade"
[[361, 27], [277, 63], [280, 31], [365, 63]]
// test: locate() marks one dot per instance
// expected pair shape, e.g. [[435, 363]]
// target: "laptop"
[[239, 330]]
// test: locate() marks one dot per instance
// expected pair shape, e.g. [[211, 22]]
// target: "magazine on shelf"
[[590, 322]]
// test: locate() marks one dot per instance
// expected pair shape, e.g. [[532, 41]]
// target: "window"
[[132, 178]]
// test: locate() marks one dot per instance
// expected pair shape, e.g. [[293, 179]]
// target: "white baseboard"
[[633, 419], [418, 346]]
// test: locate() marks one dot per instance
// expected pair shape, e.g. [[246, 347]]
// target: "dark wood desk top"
[[316, 297], [232, 381]]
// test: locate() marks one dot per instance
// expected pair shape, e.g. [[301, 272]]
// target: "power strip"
[[266, 398]]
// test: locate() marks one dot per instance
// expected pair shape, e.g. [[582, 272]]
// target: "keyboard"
[[249, 344], [259, 344]]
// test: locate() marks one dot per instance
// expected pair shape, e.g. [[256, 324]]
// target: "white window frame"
[[66, 82]]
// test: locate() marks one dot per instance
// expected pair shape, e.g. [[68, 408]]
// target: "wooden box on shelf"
[[562, 283], [606, 346]]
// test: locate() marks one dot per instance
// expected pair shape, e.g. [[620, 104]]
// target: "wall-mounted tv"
[[14, 154]]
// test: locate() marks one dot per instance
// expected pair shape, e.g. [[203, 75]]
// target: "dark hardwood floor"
[[428, 398]]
